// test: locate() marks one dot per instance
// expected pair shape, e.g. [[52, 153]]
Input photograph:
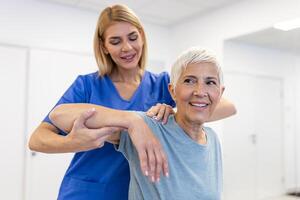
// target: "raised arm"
[[64, 116], [46, 139], [224, 109], [152, 158]]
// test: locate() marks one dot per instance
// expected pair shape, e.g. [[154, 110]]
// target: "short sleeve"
[[168, 97], [76, 93]]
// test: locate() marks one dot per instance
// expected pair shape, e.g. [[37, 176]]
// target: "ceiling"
[[274, 38], [161, 12]]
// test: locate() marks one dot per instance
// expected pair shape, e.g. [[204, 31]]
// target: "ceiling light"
[[288, 24]]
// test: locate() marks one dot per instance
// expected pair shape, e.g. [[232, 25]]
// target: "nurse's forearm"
[[64, 115], [224, 109]]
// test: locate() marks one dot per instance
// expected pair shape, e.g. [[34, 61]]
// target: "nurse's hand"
[[82, 138], [153, 160], [160, 112]]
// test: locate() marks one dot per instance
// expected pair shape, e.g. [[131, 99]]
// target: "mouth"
[[128, 58], [199, 105]]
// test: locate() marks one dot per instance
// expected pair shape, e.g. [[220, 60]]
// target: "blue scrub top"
[[104, 173]]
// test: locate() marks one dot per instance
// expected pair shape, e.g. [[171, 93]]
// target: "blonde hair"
[[193, 55], [111, 14]]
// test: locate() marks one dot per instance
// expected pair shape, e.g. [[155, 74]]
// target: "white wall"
[[245, 17], [41, 24], [268, 62], [297, 116]]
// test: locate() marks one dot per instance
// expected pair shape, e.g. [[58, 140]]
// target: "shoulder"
[[209, 131], [153, 124], [92, 80], [164, 76], [212, 134], [147, 119], [89, 76]]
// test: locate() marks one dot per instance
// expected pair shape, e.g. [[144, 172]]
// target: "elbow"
[[55, 115], [32, 144], [233, 110]]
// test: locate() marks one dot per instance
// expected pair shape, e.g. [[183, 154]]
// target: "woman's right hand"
[[160, 112], [83, 138]]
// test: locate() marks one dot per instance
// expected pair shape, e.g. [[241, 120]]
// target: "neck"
[[192, 129], [125, 75]]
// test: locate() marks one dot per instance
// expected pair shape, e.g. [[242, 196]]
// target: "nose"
[[126, 46], [200, 90]]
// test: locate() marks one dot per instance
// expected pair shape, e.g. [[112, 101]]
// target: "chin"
[[198, 120], [130, 65]]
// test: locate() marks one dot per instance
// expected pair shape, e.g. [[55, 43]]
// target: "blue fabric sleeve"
[[76, 93], [167, 81]]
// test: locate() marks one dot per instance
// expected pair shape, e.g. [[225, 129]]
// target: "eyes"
[[193, 81], [117, 40]]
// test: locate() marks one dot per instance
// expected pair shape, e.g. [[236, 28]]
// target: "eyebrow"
[[132, 33], [190, 76], [118, 37], [212, 77], [208, 77]]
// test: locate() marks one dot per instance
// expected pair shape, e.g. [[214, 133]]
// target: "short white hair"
[[194, 55]]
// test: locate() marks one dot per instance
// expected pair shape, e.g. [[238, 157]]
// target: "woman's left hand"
[[153, 159], [160, 112]]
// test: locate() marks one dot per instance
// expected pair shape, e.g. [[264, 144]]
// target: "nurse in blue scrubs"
[[122, 82]]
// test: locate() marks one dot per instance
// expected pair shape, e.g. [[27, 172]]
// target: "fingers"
[[161, 164], [80, 121], [153, 110], [143, 161], [161, 112], [166, 115], [153, 162], [165, 165], [158, 167], [104, 134], [101, 142]]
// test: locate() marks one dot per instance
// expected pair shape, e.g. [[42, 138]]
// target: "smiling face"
[[124, 43], [197, 92]]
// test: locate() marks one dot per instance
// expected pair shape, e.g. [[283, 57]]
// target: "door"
[[51, 73], [239, 140], [252, 145], [269, 137], [12, 105]]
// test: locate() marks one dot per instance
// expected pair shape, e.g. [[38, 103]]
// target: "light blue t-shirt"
[[195, 169]]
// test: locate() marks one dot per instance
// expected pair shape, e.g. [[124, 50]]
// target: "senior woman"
[[193, 150]]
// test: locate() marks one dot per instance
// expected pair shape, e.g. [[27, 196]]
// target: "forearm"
[[47, 140], [224, 109], [64, 115]]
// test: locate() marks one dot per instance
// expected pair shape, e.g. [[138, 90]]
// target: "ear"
[[172, 91], [104, 49], [222, 91]]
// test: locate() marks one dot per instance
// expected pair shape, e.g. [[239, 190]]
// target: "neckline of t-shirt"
[[188, 139], [135, 92]]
